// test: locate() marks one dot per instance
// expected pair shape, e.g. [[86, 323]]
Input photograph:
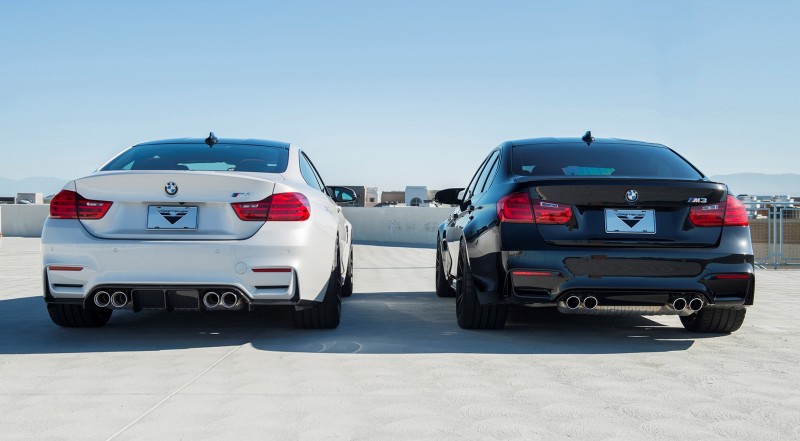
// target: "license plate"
[[162, 217], [630, 221]]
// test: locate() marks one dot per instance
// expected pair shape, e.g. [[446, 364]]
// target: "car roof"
[[249, 141], [600, 141]]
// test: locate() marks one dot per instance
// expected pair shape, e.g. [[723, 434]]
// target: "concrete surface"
[[398, 368], [17, 220]]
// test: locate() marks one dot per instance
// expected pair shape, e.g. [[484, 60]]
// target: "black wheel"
[[325, 314], [76, 316], [724, 320], [470, 314], [443, 289], [347, 288]]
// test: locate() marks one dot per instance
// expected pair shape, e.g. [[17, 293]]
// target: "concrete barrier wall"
[[23, 220], [407, 225]]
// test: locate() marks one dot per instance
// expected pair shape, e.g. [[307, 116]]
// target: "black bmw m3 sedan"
[[595, 226]]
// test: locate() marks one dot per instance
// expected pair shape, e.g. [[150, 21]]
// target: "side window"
[[307, 170], [491, 166], [471, 187], [317, 176]]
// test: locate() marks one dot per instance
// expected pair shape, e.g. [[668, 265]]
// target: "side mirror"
[[342, 194], [450, 196]]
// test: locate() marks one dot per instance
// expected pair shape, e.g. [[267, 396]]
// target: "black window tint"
[[601, 160], [487, 171], [308, 173], [222, 157], [471, 187]]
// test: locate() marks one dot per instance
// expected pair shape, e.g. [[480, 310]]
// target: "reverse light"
[[730, 213], [551, 213], [277, 207], [68, 204], [64, 268]]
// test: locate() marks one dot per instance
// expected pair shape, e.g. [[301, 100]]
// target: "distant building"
[[8, 200], [372, 197], [393, 197], [417, 196], [30, 198]]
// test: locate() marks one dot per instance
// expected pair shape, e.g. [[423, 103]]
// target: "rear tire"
[[470, 314], [76, 316], [347, 288], [443, 289], [717, 320], [325, 314]]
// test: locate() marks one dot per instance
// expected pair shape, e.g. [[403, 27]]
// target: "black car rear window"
[[221, 157], [599, 160]]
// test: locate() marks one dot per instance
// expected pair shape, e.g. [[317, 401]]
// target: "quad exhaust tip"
[[102, 299], [590, 302], [696, 304], [679, 304], [229, 300], [211, 300], [119, 299], [573, 302]]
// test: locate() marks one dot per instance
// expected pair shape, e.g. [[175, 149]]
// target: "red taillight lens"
[[731, 213], [515, 207], [551, 212], [278, 207], [70, 205], [735, 213]]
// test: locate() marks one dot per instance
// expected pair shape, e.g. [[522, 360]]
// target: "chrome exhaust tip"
[[229, 300], [696, 304], [119, 299], [590, 302], [102, 299], [573, 302], [679, 304], [211, 300]]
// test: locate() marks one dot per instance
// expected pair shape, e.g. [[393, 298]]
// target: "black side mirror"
[[342, 194], [449, 196]]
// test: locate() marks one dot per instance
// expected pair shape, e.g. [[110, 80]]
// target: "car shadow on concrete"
[[372, 323]]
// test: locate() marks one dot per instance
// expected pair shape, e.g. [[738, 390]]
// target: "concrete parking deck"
[[398, 367]]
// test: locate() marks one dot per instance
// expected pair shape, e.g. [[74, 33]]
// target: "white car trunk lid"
[[139, 194]]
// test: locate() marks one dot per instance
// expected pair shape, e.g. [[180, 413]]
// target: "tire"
[[470, 314], [325, 314], [347, 288], [76, 316], [443, 289], [717, 320]]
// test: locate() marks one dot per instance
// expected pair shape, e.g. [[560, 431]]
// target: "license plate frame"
[[171, 218], [628, 221]]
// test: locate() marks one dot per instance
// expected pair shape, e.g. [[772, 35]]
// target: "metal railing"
[[775, 233]]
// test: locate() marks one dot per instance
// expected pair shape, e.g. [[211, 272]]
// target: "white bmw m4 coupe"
[[194, 224]]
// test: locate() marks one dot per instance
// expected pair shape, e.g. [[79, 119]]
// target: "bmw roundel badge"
[[631, 196], [171, 188]]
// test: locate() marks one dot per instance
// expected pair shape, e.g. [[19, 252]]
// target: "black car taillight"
[[517, 207], [730, 213]]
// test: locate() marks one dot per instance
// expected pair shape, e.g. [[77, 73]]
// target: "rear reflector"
[[271, 270], [64, 268], [70, 205], [532, 273], [730, 213], [278, 207], [731, 276]]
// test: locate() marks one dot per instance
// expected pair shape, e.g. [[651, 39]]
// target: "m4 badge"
[[697, 200]]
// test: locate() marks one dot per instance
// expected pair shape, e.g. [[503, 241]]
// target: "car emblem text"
[[697, 200], [631, 196], [171, 188]]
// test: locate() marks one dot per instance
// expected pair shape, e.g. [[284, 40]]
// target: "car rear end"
[[208, 238], [616, 227]]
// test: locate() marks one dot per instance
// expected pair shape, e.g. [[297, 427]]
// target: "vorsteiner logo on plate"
[[172, 216]]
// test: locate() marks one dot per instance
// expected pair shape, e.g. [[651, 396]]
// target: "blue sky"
[[399, 93]]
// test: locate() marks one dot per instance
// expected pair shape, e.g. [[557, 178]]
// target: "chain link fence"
[[775, 232]]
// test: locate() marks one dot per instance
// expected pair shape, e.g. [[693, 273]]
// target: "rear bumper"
[[301, 255], [616, 277]]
